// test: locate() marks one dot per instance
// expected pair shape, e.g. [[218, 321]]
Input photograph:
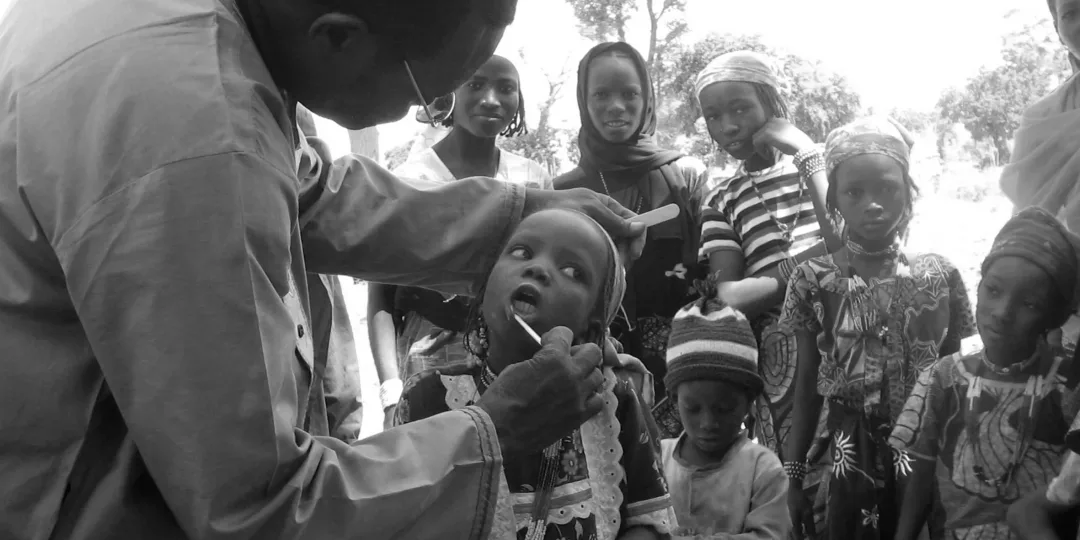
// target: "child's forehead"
[[565, 228]]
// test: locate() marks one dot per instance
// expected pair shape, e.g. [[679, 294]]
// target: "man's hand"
[[538, 401], [608, 213]]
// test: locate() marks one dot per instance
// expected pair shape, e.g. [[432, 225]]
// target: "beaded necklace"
[[640, 197]]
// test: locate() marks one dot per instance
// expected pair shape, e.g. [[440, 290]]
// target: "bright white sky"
[[900, 54]]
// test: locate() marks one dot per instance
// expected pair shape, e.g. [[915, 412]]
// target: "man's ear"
[[341, 32]]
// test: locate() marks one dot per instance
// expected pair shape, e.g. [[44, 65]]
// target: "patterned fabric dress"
[[873, 338], [610, 478], [971, 459]]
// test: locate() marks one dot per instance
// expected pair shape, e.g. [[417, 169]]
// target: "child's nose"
[[537, 272]]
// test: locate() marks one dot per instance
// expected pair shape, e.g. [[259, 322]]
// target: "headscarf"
[[617, 279], [659, 180], [738, 66], [641, 151], [869, 135], [1074, 62], [1036, 236]]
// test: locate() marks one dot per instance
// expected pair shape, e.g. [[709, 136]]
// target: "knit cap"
[[712, 341]]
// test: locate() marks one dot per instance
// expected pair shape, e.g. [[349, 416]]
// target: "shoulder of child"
[[931, 263]]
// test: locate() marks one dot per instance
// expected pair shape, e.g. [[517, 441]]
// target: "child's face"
[[551, 273], [733, 114], [489, 100], [871, 195], [615, 99], [1068, 24], [712, 414], [1014, 299]]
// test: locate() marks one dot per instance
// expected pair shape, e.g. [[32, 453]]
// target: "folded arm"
[[178, 279]]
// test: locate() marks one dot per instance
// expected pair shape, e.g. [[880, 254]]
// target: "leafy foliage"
[[603, 20], [992, 102]]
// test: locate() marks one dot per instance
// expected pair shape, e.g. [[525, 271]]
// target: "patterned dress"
[[971, 459], [610, 478], [873, 338]]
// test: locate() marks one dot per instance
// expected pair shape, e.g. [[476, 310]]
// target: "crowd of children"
[[814, 379]]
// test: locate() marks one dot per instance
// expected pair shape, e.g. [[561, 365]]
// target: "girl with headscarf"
[[411, 329], [988, 425], [763, 221], [867, 318], [620, 158]]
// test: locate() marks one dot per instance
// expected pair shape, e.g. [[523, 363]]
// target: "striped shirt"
[[737, 218]]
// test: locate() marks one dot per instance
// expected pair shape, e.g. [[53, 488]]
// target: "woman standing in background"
[[620, 158]]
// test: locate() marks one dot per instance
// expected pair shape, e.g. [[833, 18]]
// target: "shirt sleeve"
[[768, 518], [717, 232], [369, 224], [920, 424], [801, 302], [178, 278]]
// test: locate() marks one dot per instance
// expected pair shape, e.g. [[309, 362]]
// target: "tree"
[[819, 99], [992, 102], [544, 142], [605, 20], [914, 120]]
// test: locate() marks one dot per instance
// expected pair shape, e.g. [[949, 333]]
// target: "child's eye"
[[508, 89], [853, 193], [600, 94], [475, 85], [519, 252], [573, 272]]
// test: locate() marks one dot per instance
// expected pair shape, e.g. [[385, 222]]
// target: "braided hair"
[[771, 100]]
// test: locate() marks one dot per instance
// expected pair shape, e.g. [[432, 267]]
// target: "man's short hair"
[[420, 27]]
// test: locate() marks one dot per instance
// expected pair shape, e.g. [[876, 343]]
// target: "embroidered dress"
[[751, 213], [992, 444], [873, 338], [608, 477]]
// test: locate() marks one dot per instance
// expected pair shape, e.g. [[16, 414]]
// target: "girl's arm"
[[757, 294], [804, 418], [382, 332], [915, 505]]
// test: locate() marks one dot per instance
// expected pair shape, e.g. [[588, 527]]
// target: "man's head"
[[345, 59]]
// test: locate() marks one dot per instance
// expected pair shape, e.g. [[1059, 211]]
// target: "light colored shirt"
[[157, 357], [741, 497]]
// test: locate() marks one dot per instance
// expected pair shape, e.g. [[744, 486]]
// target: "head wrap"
[[738, 66], [617, 278], [1036, 236], [869, 135], [712, 341], [641, 151], [1074, 62]]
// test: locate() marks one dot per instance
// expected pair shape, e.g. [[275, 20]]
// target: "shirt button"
[[300, 330]]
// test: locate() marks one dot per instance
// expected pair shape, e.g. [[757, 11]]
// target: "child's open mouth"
[[525, 299]]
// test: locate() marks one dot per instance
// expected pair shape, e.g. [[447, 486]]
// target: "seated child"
[[602, 481], [723, 485], [990, 422]]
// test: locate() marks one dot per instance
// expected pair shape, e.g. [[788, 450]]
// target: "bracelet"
[[390, 392], [810, 162], [796, 470]]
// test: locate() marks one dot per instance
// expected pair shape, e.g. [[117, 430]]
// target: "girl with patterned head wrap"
[[763, 221], [867, 318], [559, 270], [988, 425], [621, 158]]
